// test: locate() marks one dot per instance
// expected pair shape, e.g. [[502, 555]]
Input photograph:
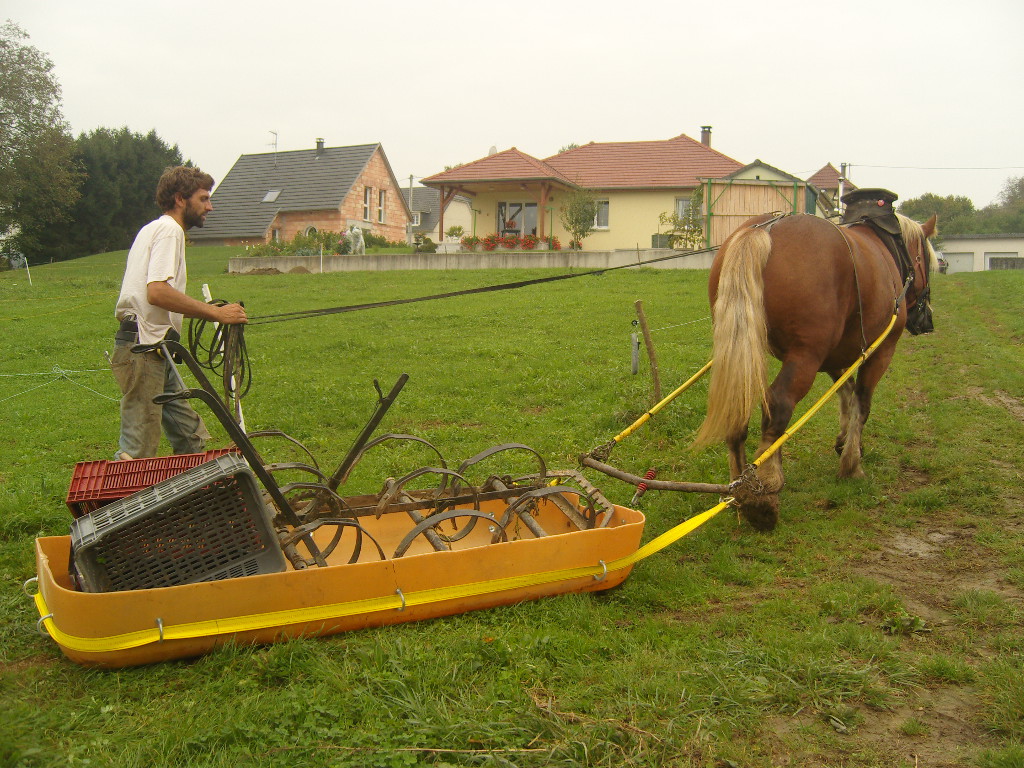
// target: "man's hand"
[[161, 294], [231, 314]]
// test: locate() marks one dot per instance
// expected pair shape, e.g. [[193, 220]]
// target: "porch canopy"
[[512, 171]]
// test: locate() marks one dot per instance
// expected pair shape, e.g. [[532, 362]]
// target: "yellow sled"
[[141, 626]]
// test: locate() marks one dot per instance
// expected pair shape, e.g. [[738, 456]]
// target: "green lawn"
[[879, 625]]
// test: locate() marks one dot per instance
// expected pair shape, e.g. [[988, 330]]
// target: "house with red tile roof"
[[826, 181], [634, 182]]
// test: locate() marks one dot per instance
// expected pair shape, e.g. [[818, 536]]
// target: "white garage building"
[[976, 253]]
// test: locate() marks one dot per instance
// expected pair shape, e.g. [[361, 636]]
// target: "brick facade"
[[376, 176]]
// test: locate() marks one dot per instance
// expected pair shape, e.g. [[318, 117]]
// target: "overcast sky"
[[916, 96]]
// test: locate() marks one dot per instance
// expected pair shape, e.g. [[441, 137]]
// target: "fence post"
[[650, 350]]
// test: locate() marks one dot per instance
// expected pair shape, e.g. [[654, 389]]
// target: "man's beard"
[[194, 218]]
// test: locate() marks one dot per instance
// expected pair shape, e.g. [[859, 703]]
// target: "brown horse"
[[815, 295]]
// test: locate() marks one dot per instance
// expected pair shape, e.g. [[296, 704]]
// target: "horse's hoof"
[[762, 515]]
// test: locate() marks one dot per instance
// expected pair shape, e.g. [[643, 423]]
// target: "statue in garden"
[[355, 239]]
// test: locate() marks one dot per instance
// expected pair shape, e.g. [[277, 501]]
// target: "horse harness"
[[873, 207]]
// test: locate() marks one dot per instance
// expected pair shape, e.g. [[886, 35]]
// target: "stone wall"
[[490, 260]]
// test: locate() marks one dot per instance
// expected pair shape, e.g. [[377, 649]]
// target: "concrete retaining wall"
[[491, 260]]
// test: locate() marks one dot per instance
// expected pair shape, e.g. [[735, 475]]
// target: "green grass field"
[[879, 625]]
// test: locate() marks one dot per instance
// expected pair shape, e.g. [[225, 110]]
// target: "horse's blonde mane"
[[913, 235]]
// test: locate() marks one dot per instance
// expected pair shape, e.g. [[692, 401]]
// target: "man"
[[151, 305]]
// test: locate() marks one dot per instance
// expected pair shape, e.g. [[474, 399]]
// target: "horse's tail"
[[740, 339]]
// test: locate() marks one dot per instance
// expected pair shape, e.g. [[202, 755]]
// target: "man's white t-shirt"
[[157, 255]]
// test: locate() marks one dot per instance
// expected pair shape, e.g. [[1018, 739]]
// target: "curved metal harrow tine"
[[498, 531], [585, 490], [494, 450], [388, 437], [583, 520], [289, 438], [303, 530]]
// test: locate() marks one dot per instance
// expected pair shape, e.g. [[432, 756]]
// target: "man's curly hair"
[[183, 180]]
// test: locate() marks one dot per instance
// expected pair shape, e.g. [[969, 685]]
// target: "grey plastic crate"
[[207, 523]]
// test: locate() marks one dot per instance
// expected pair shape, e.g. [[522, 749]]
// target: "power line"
[[941, 168]]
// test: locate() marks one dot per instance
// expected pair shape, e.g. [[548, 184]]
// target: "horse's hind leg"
[[860, 408], [852, 420], [846, 399], [759, 498]]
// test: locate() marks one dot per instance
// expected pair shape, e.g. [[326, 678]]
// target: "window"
[[1004, 260], [517, 218], [271, 196], [682, 206], [310, 231], [381, 199], [601, 219], [275, 235], [415, 218], [367, 202]]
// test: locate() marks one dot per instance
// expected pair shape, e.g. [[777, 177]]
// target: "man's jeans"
[[141, 378]]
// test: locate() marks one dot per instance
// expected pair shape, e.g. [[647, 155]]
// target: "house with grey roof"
[[425, 205], [276, 195]]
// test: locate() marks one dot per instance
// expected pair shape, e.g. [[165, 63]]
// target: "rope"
[[300, 315], [226, 355]]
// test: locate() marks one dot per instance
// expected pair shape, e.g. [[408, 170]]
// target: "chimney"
[[319, 147], [705, 135]]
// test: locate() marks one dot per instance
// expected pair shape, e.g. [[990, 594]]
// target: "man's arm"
[[161, 294]]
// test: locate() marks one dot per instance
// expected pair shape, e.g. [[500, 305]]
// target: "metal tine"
[[498, 449]]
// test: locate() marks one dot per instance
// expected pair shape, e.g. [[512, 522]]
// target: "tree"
[[578, 214], [1006, 215], [1013, 192], [956, 213], [38, 175], [118, 195], [686, 231], [567, 147]]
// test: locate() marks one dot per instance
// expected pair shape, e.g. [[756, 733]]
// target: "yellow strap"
[[270, 619], [647, 416]]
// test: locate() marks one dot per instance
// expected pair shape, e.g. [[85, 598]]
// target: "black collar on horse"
[[874, 208], [811, 293]]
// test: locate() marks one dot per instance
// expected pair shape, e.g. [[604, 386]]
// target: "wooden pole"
[[650, 350]]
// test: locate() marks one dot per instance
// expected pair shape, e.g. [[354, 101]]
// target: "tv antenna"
[[274, 145]]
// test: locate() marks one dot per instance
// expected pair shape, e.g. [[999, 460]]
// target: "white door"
[[959, 262]]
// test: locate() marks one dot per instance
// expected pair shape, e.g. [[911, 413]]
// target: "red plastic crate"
[[95, 484]]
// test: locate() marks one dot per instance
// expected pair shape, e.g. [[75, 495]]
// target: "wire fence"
[[57, 374]]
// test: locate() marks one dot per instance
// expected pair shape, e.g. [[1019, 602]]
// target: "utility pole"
[[842, 185], [408, 226]]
